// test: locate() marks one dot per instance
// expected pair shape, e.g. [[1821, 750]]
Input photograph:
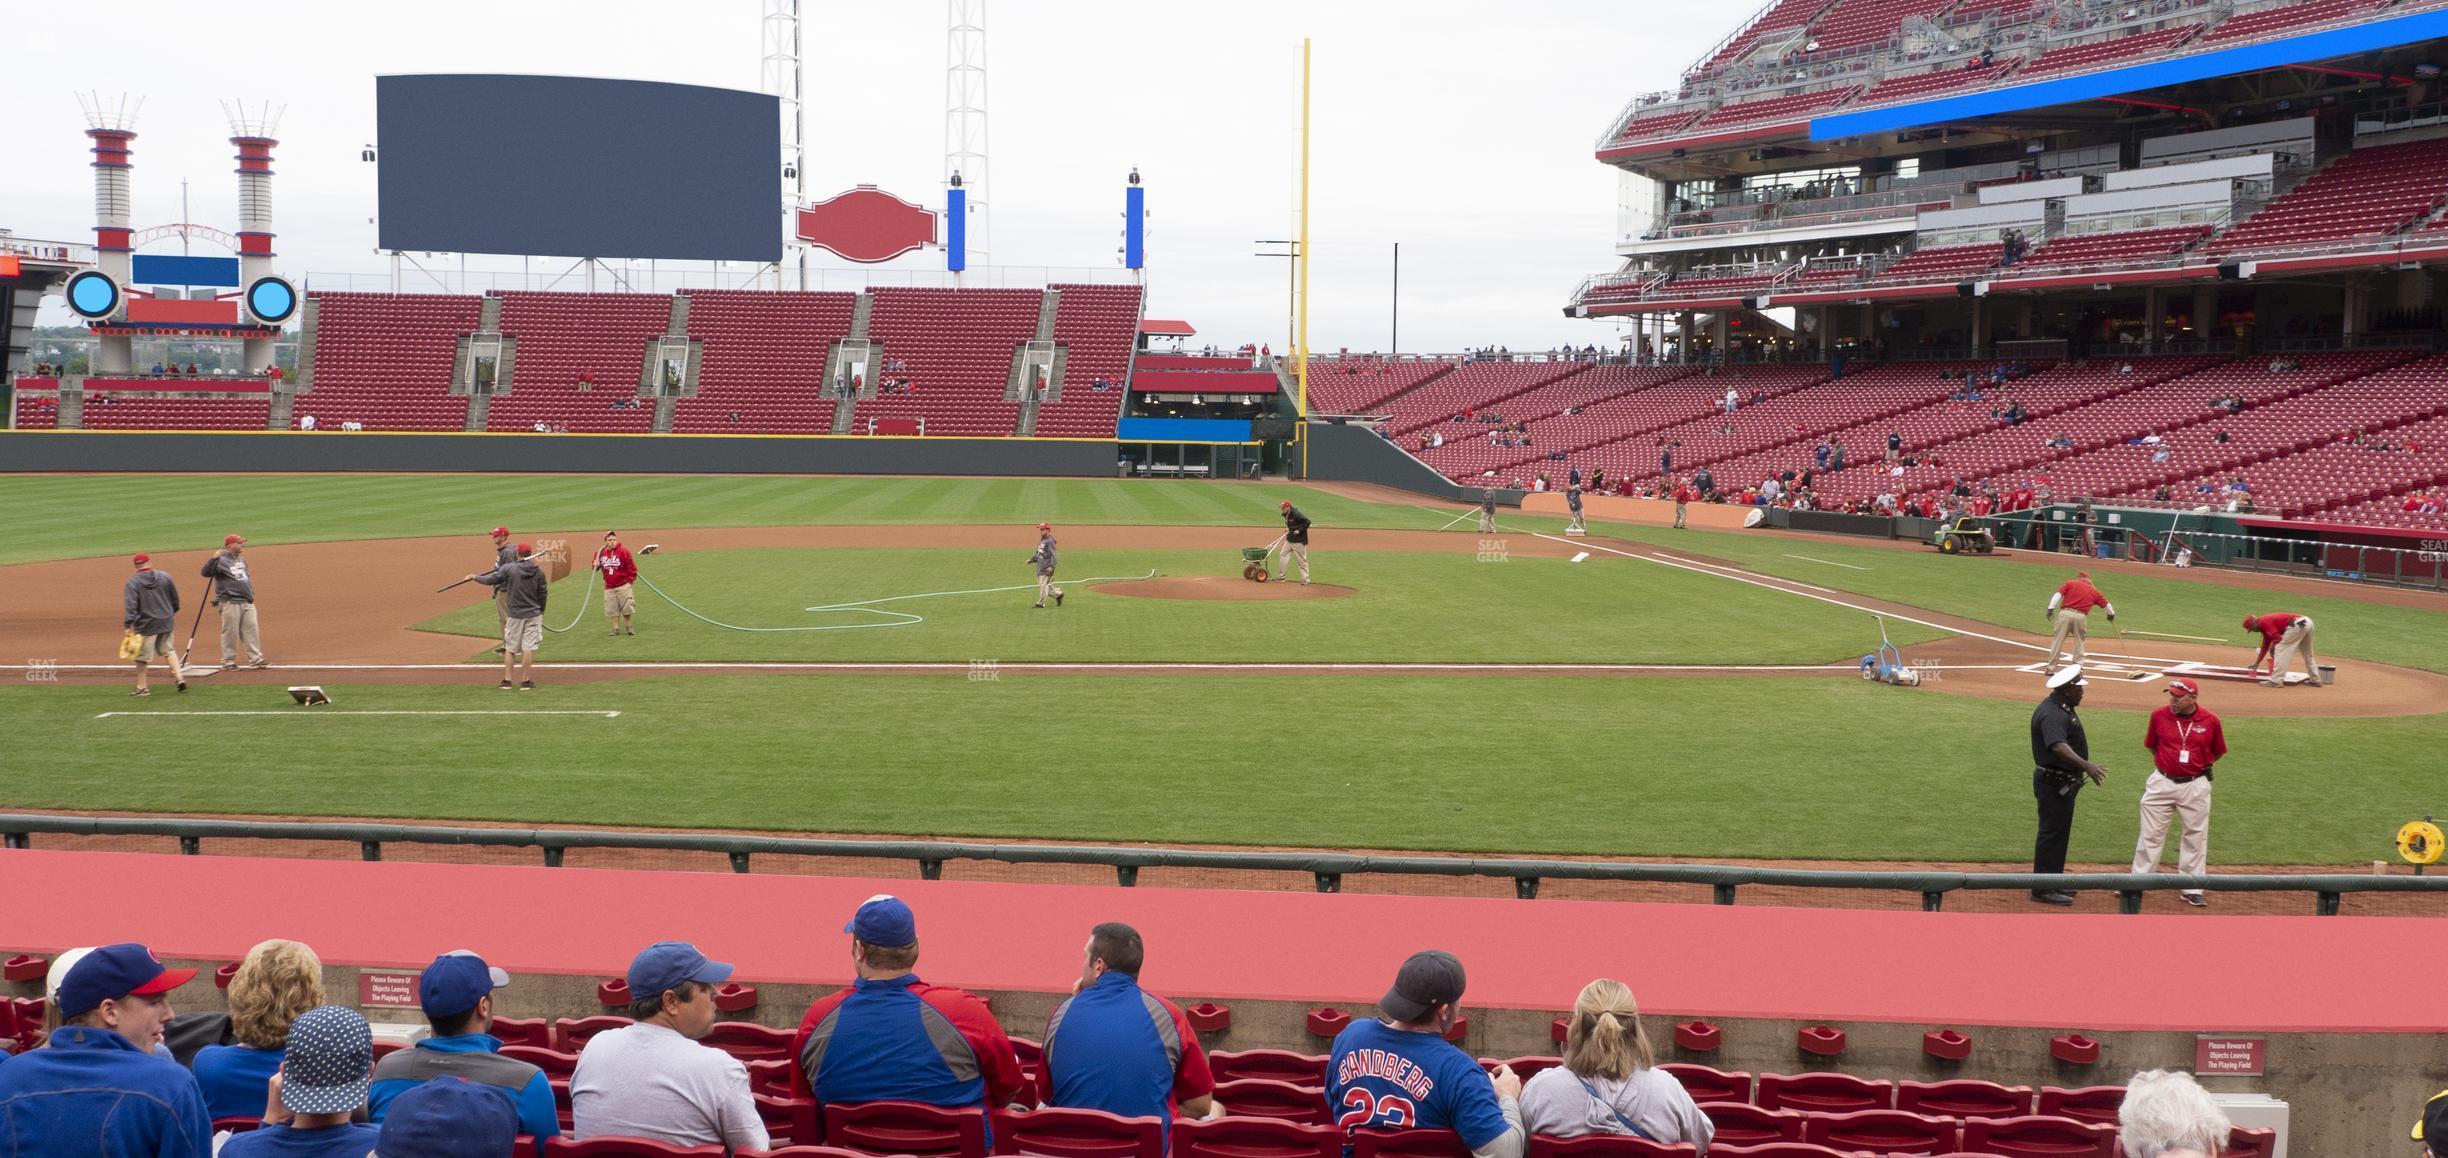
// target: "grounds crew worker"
[[503, 555], [1572, 499], [1043, 559], [2184, 739], [152, 603], [2061, 759], [2284, 636], [1683, 494], [619, 579], [234, 593], [1487, 511], [2070, 609], [1296, 542], [522, 591]]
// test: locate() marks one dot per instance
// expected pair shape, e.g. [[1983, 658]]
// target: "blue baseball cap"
[[447, 1117], [665, 964], [884, 919], [116, 971], [455, 982]]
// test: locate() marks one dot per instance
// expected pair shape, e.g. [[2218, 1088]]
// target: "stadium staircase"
[[862, 314]]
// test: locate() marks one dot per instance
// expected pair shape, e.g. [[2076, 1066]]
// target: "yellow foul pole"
[[1300, 353]]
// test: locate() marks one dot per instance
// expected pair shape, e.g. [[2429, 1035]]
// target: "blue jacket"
[[93, 1092], [477, 1058], [236, 1079]]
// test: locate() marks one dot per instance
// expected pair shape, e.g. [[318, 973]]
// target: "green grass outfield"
[[1686, 767], [1406, 608]]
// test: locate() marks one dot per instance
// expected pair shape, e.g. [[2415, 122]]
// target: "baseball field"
[[861, 656]]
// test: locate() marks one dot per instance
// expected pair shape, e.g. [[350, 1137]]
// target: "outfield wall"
[[1340, 453], [256, 452]]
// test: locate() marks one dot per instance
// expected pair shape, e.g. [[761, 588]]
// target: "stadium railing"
[[1327, 869]]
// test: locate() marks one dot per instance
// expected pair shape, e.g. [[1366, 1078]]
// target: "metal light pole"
[[1394, 343], [1291, 252]]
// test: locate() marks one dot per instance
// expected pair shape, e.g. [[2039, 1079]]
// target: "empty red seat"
[[1074, 1133], [1742, 1123], [1279, 1065], [1887, 1132], [749, 1041], [1608, 1146], [2040, 1137], [1255, 1138], [1964, 1098], [570, 1034], [1709, 1084], [554, 1063], [1408, 1144], [1823, 1093], [610, 1146], [906, 1128], [1267, 1098], [1779, 1150]]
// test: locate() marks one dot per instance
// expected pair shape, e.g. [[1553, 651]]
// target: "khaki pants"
[[2189, 800], [1575, 524], [1045, 587], [1487, 521], [501, 608], [238, 629], [2298, 638], [1678, 513], [1295, 552], [2071, 625]]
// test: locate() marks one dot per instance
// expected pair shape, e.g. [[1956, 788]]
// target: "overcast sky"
[[1462, 130]]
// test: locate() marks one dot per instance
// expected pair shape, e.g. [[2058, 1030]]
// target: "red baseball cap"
[[524, 550], [501, 532], [228, 540], [2182, 688], [1287, 504], [141, 560], [1045, 526], [2251, 622]]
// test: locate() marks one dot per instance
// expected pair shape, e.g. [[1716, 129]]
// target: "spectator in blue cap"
[[652, 1079], [456, 992], [325, 1071], [96, 1090], [447, 1117], [892, 1037]]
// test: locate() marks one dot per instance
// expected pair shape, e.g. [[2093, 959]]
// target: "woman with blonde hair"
[[278, 981], [1609, 1082], [2166, 1114]]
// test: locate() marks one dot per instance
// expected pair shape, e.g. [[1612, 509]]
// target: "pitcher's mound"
[[1217, 587]]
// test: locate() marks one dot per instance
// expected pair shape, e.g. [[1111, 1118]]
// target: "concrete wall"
[[552, 453], [1357, 454], [2350, 1093]]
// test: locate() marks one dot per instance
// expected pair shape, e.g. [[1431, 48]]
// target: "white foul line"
[[1827, 562], [302, 714]]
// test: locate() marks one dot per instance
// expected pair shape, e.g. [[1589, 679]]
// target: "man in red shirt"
[[2184, 739], [619, 573], [2282, 636], [1682, 494], [2070, 609]]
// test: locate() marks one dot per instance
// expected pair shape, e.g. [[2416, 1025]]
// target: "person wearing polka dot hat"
[[325, 1070]]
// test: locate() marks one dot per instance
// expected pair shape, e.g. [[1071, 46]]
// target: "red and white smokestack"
[[254, 226], [113, 232]]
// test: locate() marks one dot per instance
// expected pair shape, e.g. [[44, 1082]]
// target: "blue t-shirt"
[[347, 1140], [1382, 1078], [236, 1078]]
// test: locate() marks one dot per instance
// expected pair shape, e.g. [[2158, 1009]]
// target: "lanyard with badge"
[[2184, 742]]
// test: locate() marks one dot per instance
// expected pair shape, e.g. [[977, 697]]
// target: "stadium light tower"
[[111, 123], [965, 115], [251, 134], [784, 74]]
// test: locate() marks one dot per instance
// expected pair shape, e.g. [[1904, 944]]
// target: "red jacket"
[[619, 570], [2184, 747], [2272, 625]]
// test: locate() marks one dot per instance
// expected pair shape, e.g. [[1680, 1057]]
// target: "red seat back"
[[1608, 1146], [2085, 1104], [906, 1128], [1278, 1065], [1074, 1133], [553, 1062], [1824, 1093], [2039, 1136], [535, 1031], [1777, 1150], [1744, 1124], [1255, 1138], [1523, 1067], [1408, 1144], [2257, 1143], [749, 1041], [612, 1146], [237, 1123], [571, 1033], [1964, 1099], [1708, 1084], [1260, 1097], [1887, 1132], [789, 1120]]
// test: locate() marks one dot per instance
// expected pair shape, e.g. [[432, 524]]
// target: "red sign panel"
[[159, 311], [395, 990], [2229, 1055], [867, 225]]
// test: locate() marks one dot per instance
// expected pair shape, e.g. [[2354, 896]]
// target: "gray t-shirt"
[[646, 1081], [1044, 558], [1554, 1103], [229, 575]]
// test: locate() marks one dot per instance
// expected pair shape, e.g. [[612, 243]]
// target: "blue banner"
[[1183, 430], [956, 229], [205, 271], [1134, 228]]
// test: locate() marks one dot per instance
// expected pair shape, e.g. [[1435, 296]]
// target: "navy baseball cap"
[[455, 982], [447, 1118], [665, 964], [329, 1061], [115, 971], [884, 919]]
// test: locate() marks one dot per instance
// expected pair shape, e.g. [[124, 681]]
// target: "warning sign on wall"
[[394, 990], [2229, 1055]]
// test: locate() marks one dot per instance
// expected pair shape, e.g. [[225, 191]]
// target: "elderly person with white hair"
[[2168, 1115]]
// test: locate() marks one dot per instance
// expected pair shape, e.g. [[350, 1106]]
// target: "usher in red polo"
[[2184, 747]]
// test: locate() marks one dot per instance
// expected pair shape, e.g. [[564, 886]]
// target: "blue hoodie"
[[93, 1092]]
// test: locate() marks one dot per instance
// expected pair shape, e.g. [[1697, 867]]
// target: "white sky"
[[1462, 130]]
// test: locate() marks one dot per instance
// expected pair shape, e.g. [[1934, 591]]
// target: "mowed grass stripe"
[[1697, 768], [1405, 608]]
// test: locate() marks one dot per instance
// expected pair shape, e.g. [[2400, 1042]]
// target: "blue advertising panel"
[[148, 269]]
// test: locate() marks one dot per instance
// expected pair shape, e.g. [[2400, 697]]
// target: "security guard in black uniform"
[[2061, 759]]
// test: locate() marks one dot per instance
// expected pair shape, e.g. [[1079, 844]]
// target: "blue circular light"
[[271, 299], [92, 294]]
